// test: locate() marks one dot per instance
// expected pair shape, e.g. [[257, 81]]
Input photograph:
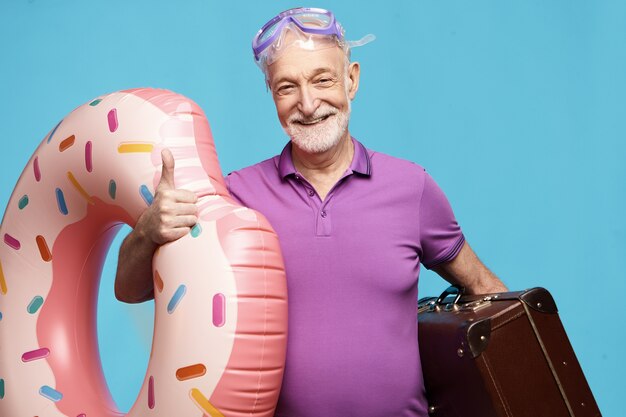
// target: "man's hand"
[[172, 213], [468, 271], [170, 216]]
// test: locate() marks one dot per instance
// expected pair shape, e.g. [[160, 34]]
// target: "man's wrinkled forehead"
[[305, 63]]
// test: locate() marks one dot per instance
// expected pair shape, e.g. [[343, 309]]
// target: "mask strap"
[[363, 41]]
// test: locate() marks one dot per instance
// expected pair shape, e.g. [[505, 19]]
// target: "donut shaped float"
[[220, 292]]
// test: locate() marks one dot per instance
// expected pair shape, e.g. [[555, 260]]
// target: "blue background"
[[516, 109]]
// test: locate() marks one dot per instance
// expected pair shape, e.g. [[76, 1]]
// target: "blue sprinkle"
[[146, 194], [34, 305], [0, 315], [1, 388], [61, 201], [50, 393], [95, 102], [112, 189], [53, 130], [180, 292], [23, 202], [196, 230]]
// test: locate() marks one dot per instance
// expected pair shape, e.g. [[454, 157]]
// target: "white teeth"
[[312, 122]]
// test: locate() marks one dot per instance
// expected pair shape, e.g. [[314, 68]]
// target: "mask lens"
[[268, 32], [313, 20]]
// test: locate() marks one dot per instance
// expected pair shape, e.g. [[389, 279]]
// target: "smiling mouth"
[[313, 121]]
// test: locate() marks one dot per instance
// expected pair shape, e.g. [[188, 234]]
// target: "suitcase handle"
[[451, 290]]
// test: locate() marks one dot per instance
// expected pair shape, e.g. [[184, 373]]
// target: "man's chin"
[[319, 137], [314, 145]]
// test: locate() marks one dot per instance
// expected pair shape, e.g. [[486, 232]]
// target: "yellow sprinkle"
[[3, 283], [204, 404], [131, 147], [80, 189]]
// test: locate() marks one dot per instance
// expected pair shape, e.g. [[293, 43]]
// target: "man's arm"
[[133, 281], [170, 216], [468, 271]]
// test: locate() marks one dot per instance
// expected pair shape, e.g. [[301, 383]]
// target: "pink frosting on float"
[[67, 322], [170, 103], [243, 250], [173, 128]]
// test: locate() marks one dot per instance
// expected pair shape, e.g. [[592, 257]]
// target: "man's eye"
[[285, 89], [325, 81]]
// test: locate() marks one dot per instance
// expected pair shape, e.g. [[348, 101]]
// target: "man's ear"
[[354, 72]]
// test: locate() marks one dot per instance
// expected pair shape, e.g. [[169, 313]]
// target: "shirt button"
[[311, 193], [323, 213]]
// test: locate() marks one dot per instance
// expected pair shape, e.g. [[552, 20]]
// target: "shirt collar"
[[360, 164]]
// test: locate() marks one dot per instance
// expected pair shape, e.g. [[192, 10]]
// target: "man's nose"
[[308, 102]]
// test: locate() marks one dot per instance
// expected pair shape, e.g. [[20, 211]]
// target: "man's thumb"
[[167, 174]]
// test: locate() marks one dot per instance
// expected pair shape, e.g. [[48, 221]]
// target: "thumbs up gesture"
[[173, 212]]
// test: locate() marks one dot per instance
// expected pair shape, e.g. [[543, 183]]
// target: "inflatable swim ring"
[[220, 292]]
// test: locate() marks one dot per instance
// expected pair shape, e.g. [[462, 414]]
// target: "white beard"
[[321, 136]]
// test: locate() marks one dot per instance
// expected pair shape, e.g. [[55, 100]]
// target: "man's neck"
[[324, 169], [337, 158]]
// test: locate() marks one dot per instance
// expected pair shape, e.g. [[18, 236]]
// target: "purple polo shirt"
[[352, 265]]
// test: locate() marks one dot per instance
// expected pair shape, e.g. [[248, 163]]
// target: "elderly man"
[[354, 225]]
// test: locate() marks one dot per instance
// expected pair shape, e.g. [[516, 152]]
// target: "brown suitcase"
[[500, 355]]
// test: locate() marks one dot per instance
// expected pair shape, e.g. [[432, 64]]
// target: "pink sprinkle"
[[151, 393], [35, 354], [112, 116], [11, 241], [219, 310], [36, 169], [82, 415], [88, 161]]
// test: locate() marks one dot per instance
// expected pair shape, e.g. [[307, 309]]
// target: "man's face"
[[312, 90]]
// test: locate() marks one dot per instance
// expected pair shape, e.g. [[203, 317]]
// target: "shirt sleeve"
[[441, 238]]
